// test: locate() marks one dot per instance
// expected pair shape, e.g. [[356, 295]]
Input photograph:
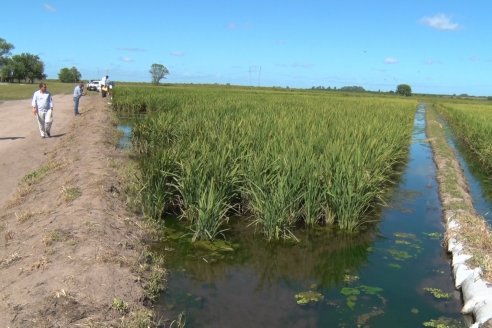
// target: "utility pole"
[[259, 77]]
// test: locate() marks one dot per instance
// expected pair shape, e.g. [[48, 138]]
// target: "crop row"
[[278, 159]]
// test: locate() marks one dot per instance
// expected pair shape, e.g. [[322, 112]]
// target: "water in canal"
[[395, 274]]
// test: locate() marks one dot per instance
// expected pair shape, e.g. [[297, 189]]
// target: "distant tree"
[[5, 48], [158, 72], [24, 67], [5, 72], [353, 88], [69, 74], [404, 90]]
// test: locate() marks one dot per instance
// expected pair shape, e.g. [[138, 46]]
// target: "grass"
[[32, 178], [17, 91], [24, 216], [70, 193], [473, 232]]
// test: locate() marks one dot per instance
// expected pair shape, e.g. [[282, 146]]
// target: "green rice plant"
[[472, 123], [280, 159]]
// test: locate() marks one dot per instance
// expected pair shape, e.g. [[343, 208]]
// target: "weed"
[[24, 216], [119, 305], [70, 193]]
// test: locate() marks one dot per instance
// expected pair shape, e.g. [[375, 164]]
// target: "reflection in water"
[[125, 141], [377, 278]]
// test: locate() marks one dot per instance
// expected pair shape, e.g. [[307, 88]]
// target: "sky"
[[435, 46]]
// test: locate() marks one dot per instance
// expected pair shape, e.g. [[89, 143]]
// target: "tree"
[[5, 48], [404, 90], [69, 74], [25, 67], [158, 72]]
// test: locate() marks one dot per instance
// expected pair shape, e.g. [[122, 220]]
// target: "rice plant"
[[473, 125], [278, 159]]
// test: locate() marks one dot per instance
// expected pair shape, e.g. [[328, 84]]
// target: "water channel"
[[479, 184], [395, 274]]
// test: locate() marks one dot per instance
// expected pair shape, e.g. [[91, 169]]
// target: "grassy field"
[[278, 158], [16, 91]]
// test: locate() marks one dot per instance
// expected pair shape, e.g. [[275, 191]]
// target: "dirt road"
[[70, 252], [21, 147]]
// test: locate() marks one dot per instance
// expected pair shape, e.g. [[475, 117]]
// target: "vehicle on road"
[[93, 85]]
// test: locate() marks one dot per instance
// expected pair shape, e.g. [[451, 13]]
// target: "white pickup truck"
[[94, 85]]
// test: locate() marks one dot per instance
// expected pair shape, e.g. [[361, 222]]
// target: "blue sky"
[[435, 46]]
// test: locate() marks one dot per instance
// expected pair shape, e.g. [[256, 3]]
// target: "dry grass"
[[473, 231]]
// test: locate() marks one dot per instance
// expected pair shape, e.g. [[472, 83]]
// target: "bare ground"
[[70, 251]]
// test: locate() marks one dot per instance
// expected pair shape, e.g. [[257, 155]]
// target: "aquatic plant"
[[437, 293], [308, 297], [352, 293]]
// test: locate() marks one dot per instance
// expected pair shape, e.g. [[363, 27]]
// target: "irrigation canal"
[[480, 185], [396, 274]]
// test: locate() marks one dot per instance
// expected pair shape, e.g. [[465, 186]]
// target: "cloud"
[[441, 22], [177, 54], [49, 7], [126, 59], [390, 60]]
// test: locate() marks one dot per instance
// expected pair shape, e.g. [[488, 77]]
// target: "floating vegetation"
[[433, 235], [394, 266], [351, 293], [364, 318], [399, 255], [443, 322], [414, 311], [370, 290], [437, 293], [348, 278], [214, 246], [309, 296], [404, 235]]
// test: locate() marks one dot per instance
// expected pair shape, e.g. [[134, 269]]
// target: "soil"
[[69, 248]]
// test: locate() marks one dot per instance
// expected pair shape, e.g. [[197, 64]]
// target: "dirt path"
[[21, 148], [70, 250]]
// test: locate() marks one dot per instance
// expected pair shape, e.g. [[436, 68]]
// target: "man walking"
[[77, 93], [42, 108]]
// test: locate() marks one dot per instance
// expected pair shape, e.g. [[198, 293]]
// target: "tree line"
[[24, 67], [29, 68]]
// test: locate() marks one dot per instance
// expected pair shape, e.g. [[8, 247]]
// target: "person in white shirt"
[[42, 108], [104, 80]]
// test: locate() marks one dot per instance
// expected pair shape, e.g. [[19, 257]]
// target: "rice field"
[[280, 159], [472, 124]]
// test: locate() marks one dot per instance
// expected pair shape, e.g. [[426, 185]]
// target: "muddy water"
[[395, 274]]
